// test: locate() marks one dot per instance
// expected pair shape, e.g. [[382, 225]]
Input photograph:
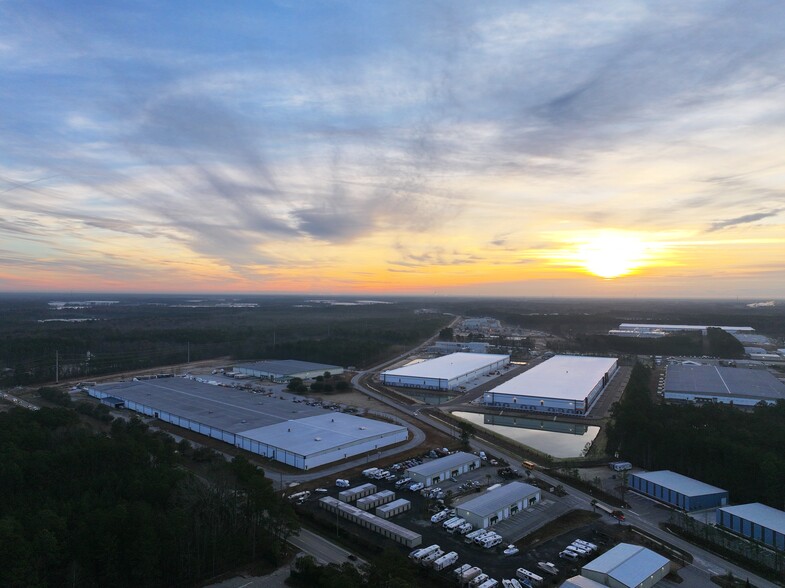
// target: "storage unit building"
[[493, 506], [433, 472], [286, 369], [627, 566], [369, 521], [374, 500], [677, 490], [352, 494], [755, 521], [393, 508], [566, 384], [446, 372], [728, 385]]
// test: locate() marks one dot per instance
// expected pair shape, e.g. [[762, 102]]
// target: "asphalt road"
[[324, 551]]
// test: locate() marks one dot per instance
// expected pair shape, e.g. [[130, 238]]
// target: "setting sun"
[[611, 255]]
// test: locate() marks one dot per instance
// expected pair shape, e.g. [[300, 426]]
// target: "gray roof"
[[491, 501], [287, 367], [437, 466], [359, 514], [723, 381], [681, 484], [627, 563], [392, 505], [760, 514]]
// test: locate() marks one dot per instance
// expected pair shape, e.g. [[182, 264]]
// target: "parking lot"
[[492, 561]]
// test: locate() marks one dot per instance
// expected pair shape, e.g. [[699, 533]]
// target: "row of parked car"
[[577, 549]]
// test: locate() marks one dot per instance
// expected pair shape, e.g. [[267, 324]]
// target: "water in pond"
[[428, 398], [554, 438]]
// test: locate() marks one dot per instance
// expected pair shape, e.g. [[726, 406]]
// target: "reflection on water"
[[428, 398], [548, 436]]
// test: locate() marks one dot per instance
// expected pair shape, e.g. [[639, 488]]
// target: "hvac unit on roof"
[[363, 428], [317, 438]]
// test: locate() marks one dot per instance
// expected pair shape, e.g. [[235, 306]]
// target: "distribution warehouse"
[[493, 506], [627, 566], [563, 384], [446, 372], [728, 385], [755, 521], [286, 369], [296, 434], [677, 490]]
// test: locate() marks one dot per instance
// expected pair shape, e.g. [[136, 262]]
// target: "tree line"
[[81, 507], [740, 451]]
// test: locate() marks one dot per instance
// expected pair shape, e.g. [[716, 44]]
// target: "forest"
[[145, 332], [82, 506], [737, 450]]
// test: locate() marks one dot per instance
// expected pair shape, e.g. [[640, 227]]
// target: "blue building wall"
[[751, 530], [675, 498]]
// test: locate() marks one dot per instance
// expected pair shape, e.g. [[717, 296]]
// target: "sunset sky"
[[452, 147]]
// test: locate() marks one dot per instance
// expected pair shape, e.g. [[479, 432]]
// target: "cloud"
[[741, 220]]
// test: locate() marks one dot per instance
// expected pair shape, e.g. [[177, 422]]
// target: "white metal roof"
[[681, 484], [666, 327], [392, 505], [448, 462], [568, 377], [319, 433], [760, 514], [628, 564], [581, 582], [449, 366], [287, 367], [491, 501]]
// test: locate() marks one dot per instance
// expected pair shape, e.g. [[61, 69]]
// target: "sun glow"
[[612, 255]]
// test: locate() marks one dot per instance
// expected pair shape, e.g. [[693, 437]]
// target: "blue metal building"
[[755, 521], [677, 490]]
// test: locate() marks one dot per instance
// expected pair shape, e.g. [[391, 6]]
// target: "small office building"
[[498, 504], [755, 521], [627, 566], [433, 472], [371, 522], [677, 490]]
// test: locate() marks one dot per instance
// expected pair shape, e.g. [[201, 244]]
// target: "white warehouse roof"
[[449, 366], [443, 464], [320, 433], [637, 326], [568, 377], [628, 564], [681, 484], [491, 501], [760, 514]]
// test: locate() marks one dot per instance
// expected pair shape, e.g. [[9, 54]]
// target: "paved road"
[[320, 548], [18, 401]]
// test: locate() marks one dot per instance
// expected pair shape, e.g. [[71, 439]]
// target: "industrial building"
[[728, 385], [433, 472], [374, 500], [352, 494], [677, 490], [498, 504], [566, 384], [376, 524], [458, 346], [282, 370], [446, 372], [296, 434], [652, 330], [627, 566], [755, 521]]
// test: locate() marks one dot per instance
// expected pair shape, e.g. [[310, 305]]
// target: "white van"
[[342, 483], [568, 555]]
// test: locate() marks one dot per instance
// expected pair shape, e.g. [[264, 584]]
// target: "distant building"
[[446, 372], [727, 385], [677, 490], [658, 330], [286, 369], [627, 566], [755, 521], [565, 384], [479, 325], [458, 346]]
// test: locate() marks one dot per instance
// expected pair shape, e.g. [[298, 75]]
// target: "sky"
[[527, 148]]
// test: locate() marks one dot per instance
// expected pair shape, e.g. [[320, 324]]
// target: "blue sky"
[[402, 147]]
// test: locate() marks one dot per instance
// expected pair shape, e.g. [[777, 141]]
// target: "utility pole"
[[57, 367], [189, 352]]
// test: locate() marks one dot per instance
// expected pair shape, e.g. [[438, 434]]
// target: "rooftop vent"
[[317, 438]]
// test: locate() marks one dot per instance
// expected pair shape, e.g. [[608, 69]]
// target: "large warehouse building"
[[438, 470], [286, 369], [677, 490], [627, 566], [652, 330], [295, 434], [446, 372], [755, 521], [728, 385], [493, 506], [563, 384]]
